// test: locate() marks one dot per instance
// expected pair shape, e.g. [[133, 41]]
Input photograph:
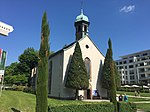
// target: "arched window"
[[88, 66]]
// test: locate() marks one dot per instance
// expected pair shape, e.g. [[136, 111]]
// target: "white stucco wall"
[[60, 64], [97, 59], [57, 61]]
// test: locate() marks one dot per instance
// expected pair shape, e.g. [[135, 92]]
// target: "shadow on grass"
[[15, 110]]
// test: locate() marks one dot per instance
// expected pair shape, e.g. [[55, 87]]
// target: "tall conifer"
[[41, 93], [77, 77], [108, 75], [117, 77]]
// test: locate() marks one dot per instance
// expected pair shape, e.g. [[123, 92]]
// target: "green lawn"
[[17, 100], [24, 102], [144, 106]]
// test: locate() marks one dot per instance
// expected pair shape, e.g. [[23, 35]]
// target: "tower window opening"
[[85, 28], [79, 28]]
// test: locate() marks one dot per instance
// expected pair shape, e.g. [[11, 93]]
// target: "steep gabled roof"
[[66, 47], [61, 50]]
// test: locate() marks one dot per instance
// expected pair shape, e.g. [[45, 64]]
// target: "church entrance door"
[[88, 94]]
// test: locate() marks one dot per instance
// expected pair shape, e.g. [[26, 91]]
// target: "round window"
[[87, 46]]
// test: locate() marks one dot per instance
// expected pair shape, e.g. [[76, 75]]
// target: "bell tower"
[[81, 24]]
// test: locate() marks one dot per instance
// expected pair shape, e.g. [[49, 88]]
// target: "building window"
[[132, 82], [126, 72], [125, 67], [126, 77], [85, 28], [88, 67], [124, 62], [130, 66], [87, 46], [132, 77], [121, 67], [147, 69], [79, 28], [141, 70], [143, 59], [120, 62], [145, 54], [130, 61], [142, 75], [148, 75], [148, 63], [141, 64], [131, 72]]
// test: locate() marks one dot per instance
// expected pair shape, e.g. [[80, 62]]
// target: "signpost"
[[3, 55], [5, 29]]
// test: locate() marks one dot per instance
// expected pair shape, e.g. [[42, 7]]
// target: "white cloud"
[[128, 9]]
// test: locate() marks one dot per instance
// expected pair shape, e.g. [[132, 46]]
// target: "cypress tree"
[[117, 77], [41, 93], [108, 75], [77, 77]]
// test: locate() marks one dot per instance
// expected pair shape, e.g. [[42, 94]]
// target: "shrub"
[[85, 107], [18, 88], [29, 90], [144, 91], [126, 107]]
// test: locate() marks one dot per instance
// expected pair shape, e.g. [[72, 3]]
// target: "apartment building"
[[135, 68]]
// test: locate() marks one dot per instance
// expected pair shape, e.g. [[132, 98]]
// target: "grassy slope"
[[25, 102], [144, 106], [17, 100]]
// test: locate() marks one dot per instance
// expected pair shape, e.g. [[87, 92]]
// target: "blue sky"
[[126, 22]]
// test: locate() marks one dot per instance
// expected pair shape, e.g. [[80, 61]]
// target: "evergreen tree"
[[117, 77], [108, 75], [77, 77], [41, 93]]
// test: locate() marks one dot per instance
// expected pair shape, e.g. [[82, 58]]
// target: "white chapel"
[[59, 64]]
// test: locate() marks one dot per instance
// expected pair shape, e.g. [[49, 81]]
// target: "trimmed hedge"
[[133, 90], [18, 88], [126, 107], [85, 107]]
